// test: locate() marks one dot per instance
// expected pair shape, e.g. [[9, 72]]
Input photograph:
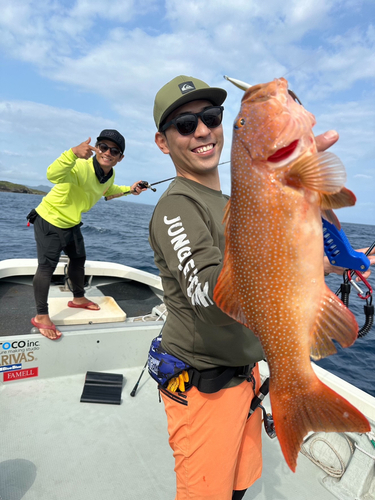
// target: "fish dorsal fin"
[[344, 198], [225, 294], [334, 321], [321, 172]]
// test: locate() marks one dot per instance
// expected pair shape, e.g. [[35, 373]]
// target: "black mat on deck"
[[102, 388], [17, 304], [135, 299], [17, 307]]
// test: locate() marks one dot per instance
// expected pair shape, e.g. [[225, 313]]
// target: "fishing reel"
[[269, 424], [146, 185]]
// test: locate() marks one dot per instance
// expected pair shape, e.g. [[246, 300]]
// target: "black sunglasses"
[[187, 123], [104, 147]]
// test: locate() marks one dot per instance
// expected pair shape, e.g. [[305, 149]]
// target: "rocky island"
[[10, 187]]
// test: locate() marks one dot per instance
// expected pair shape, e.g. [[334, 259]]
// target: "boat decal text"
[[9, 368], [19, 344], [8, 359], [20, 374]]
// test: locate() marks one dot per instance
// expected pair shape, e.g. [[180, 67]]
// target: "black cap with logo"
[[181, 90], [114, 136]]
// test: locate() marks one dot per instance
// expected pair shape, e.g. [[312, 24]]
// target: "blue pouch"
[[163, 366]]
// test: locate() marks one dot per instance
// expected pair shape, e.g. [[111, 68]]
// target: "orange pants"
[[216, 448]]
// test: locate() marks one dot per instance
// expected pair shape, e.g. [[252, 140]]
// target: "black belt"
[[214, 379]]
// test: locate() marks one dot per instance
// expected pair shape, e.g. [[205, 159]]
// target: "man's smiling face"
[[105, 159], [197, 153]]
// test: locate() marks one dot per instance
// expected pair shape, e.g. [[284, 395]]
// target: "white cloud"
[[122, 53], [30, 119], [257, 40], [363, 176], [35, 134]]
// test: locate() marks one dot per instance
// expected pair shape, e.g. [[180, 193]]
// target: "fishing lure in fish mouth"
[[280, 186], [244, 86]]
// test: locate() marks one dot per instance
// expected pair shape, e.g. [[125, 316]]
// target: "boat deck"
[[56, 448], [17, 305], [53, 447]]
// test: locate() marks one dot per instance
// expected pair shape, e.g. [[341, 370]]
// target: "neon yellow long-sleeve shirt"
[[76, 191]]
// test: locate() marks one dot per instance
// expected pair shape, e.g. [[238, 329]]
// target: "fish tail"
[[321, 409]]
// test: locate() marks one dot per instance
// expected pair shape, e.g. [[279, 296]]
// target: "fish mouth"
[[283, 153]]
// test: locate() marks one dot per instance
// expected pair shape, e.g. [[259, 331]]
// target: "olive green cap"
[[181, 90]]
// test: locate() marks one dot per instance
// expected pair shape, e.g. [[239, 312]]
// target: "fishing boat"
[[81, 419]]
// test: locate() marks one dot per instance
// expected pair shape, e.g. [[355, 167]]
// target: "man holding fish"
[[217, 448]]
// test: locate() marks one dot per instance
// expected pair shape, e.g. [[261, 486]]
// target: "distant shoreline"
[[10, 187]]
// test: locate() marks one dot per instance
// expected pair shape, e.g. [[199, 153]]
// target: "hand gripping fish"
[[272, 279]]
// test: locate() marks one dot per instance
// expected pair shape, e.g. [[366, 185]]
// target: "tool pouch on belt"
[[163, 367], [32, 215]]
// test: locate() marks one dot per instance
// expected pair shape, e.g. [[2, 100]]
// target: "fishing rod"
[[132, 394], [142, 185], [145, 184]]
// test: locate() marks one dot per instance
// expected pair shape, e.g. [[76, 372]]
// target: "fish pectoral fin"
[[331, 217], [317, 409], [344, 198], [322, 172], [225, 295], [226, 213], [334, 321]]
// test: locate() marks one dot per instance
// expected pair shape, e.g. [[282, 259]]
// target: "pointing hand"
[[84, 150]]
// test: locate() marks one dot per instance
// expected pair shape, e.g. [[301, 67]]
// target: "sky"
[[69, 69]]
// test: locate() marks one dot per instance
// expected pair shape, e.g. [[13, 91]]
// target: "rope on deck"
[[311, 454]]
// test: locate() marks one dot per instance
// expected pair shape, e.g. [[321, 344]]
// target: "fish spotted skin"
[[272, 279]]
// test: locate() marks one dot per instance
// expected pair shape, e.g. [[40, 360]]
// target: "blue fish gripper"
[[339, 251]]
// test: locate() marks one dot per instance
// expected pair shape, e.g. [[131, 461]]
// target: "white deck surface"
[[109, 312], [54, 448]]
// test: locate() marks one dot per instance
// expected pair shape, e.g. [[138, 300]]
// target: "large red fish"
[[273, 277]]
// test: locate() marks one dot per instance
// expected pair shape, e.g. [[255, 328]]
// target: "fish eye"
[[239, 123], [294, 97]]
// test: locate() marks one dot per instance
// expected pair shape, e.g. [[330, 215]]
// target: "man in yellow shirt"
[[80, 181]]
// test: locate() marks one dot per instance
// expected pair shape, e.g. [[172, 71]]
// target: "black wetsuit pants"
[[50, 242]]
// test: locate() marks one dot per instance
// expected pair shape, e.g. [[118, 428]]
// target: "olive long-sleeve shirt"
[[187, 236]]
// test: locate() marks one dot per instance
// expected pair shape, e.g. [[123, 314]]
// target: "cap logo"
[[186, 87]]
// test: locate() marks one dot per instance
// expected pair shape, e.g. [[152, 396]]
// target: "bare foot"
[[82, 301], [45, 326]]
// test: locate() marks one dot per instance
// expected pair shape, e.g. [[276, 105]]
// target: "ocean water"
[[114, 231], [117, 231]]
